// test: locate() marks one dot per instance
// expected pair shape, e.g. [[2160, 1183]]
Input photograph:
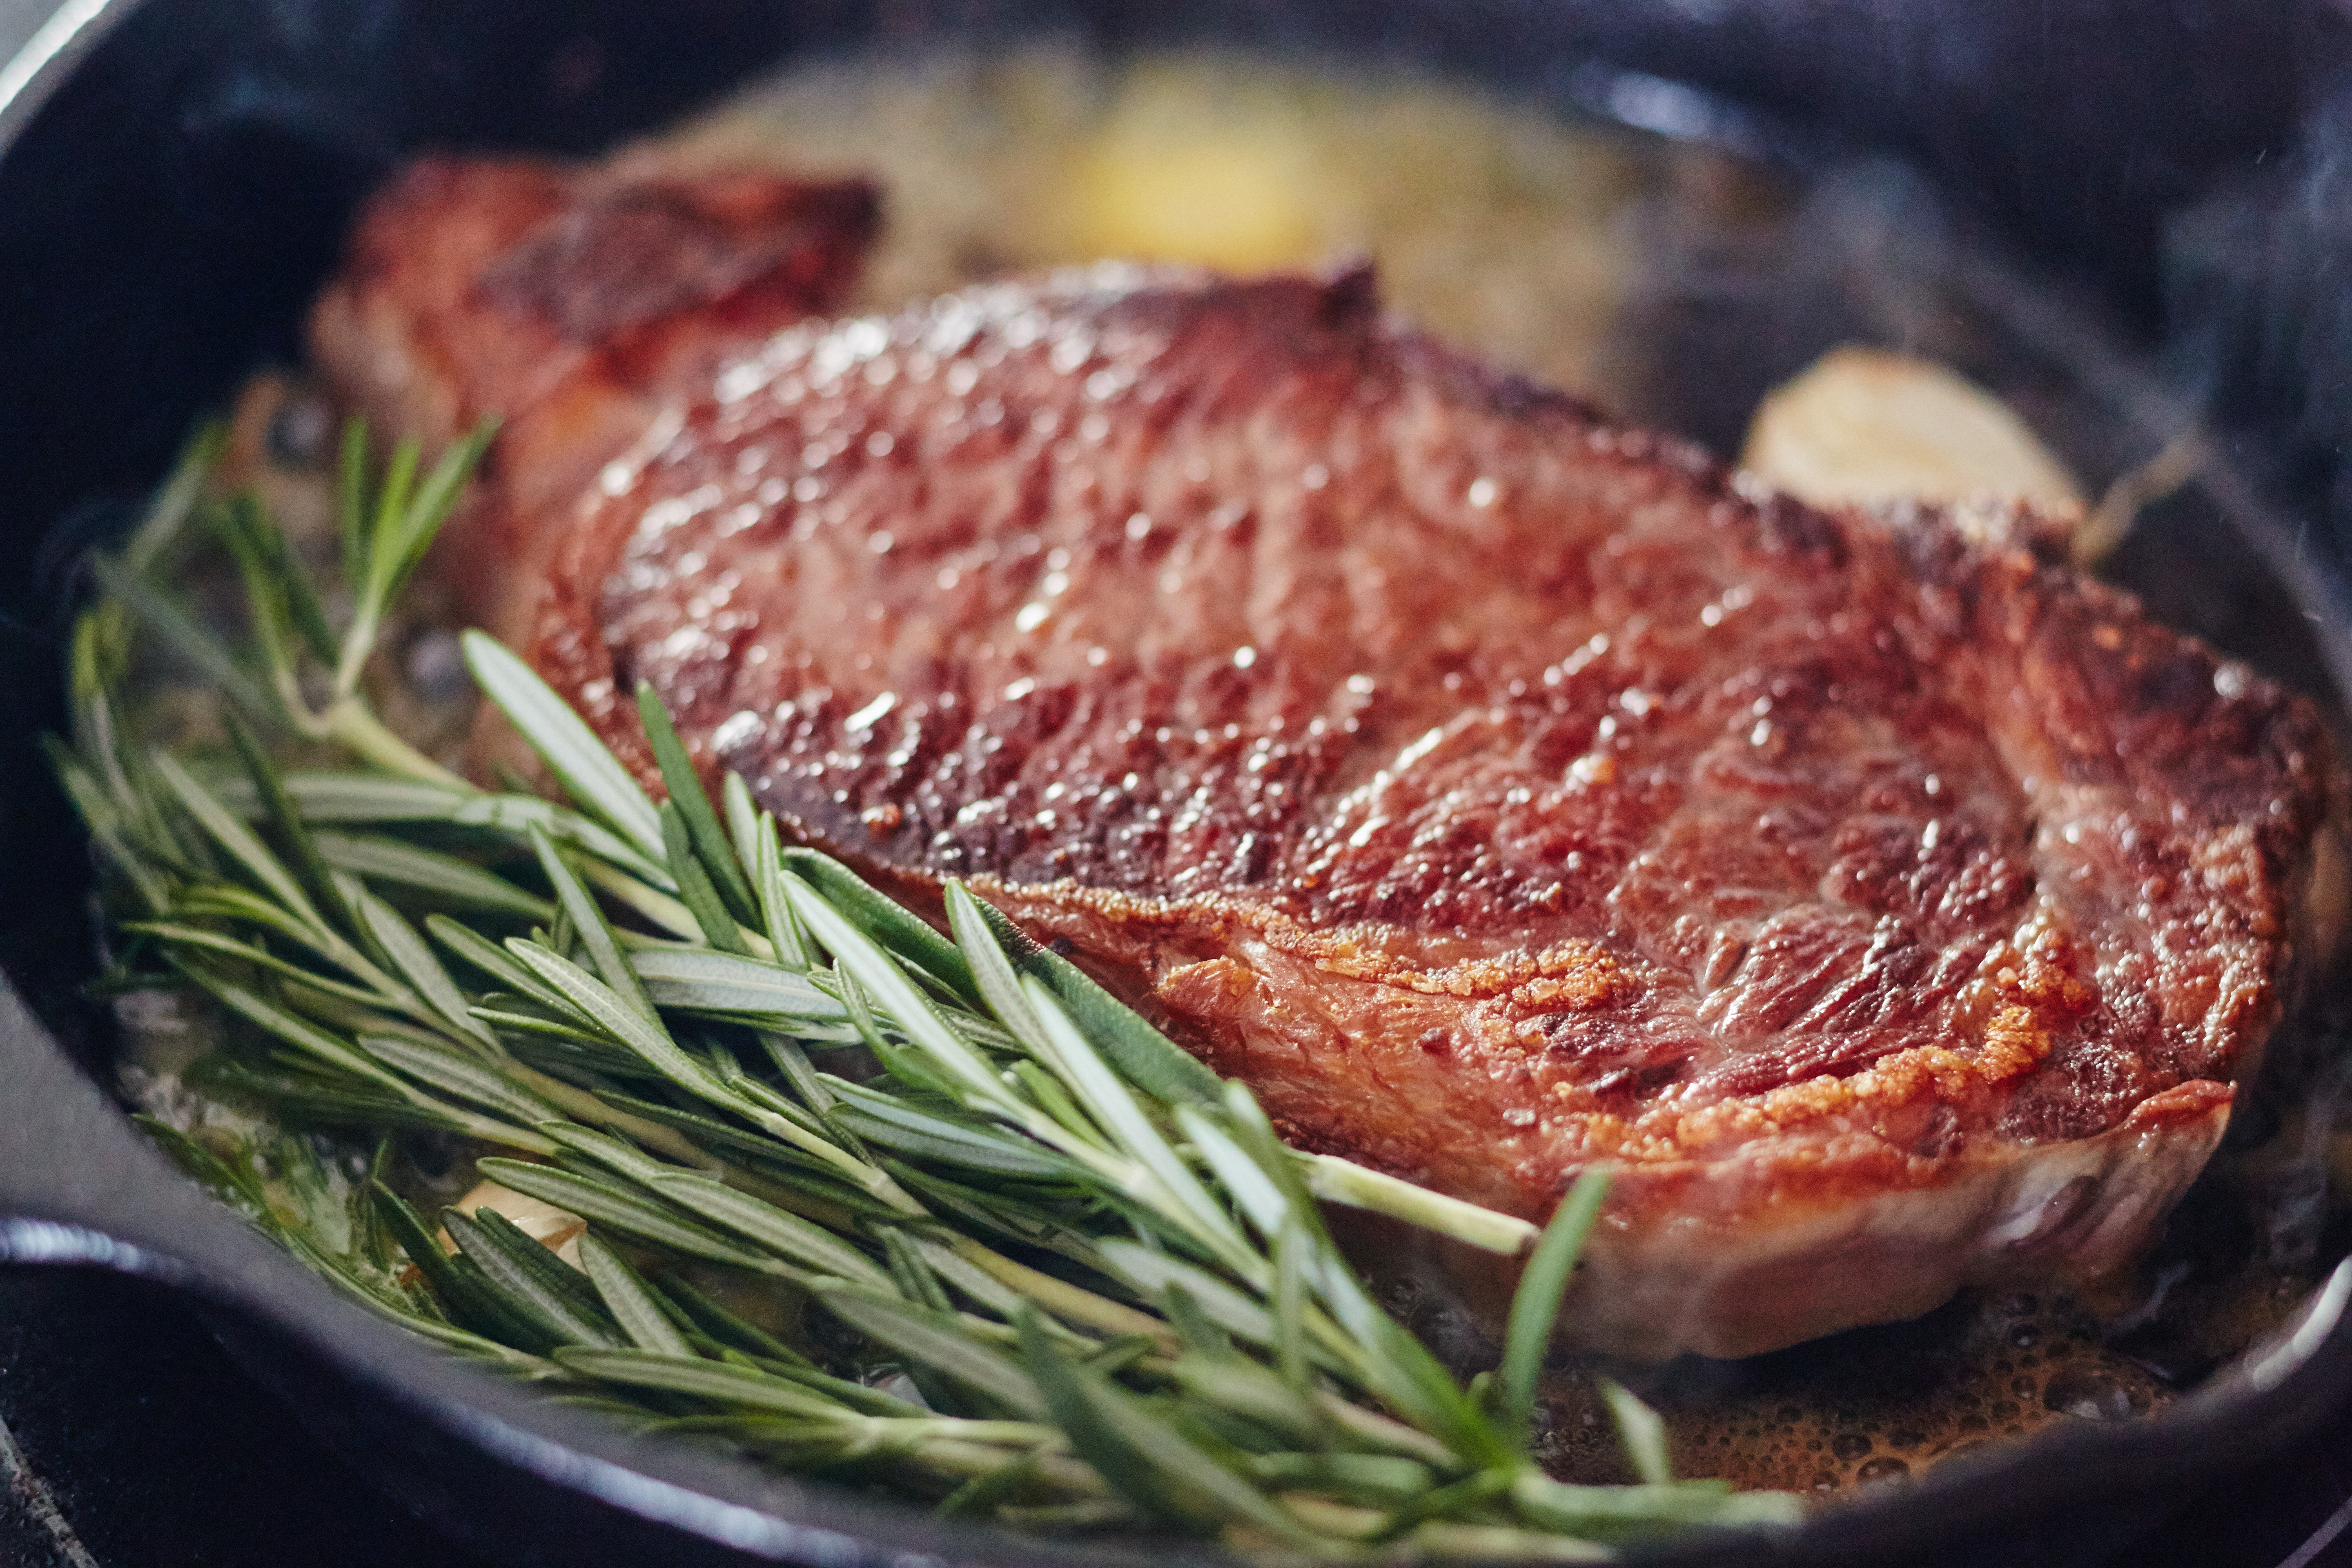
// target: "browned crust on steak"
[[571, 302], [1496, 792]]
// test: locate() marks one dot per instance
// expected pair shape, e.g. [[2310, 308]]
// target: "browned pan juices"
[[1560, 252]]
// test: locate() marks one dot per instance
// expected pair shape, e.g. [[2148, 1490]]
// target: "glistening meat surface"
[[568, 303], [1496, 792]]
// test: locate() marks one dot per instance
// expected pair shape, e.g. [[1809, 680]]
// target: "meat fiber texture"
[[1499, 794], [570, 303]]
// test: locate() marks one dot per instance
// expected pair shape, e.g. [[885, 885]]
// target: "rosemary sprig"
[[1108, 1284]]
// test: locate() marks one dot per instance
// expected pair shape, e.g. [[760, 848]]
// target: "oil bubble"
[[1881, 1469], [2089, 1398]]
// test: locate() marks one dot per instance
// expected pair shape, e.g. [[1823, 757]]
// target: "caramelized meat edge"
[[570, 303]]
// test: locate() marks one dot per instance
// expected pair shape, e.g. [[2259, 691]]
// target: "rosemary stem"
[[348, 720], [657, 906], [585, 1106], [358, 644], [1343, 1182], [1064, 1299]]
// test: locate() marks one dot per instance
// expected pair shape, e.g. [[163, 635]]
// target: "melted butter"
[[1500, 227]]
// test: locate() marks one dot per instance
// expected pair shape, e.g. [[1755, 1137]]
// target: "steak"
[[1499, 792], [570, 303]]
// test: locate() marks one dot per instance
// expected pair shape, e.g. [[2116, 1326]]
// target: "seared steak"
[[570, 303], [1496, 792]]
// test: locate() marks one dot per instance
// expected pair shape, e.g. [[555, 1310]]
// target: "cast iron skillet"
[[179, 174]]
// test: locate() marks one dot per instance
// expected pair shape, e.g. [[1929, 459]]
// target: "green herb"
[[1106, 1284]]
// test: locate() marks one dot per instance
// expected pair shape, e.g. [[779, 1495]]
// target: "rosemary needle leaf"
[[938, 1341], [1337, 1180], [630, 1301], [276, 556], [535, 1034], [1621, 1513], [978, 1285], [526, 1293], [593, 775], [432, 504], [351, 497], [189, 936], [1640, 1430], [614, 1155], [588, 924], [1150, 1273], [265, 597], [695, 887], [291, 834], [793, 1063], [375, 580], [1290, 1303], [500, 966], [458, 1076], [783, 927], [715, 1137], [992, 1213], [1109, 1101], [894, 926], [1256, 1193], [719, 1382], [584, 994], [992, 970], [1375, 1481], [358, 797], [461, 1292], [980, 1496], [630, 1215], [173, 622], [571, 1286], [1534, 1305], [1242, 1387], [445, 879], [861, 959], [743, 829], [767, 1225], [884, 1119], [329, 1051], [1157, 1065], [696, 1312], [1149, 1463], [708, 842], [398, 942], [237, 840]]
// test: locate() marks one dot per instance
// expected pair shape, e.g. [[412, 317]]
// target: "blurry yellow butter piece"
[[1867, 425], [1229, 200]]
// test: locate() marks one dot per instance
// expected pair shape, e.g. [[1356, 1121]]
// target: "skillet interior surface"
[[163, 224]]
